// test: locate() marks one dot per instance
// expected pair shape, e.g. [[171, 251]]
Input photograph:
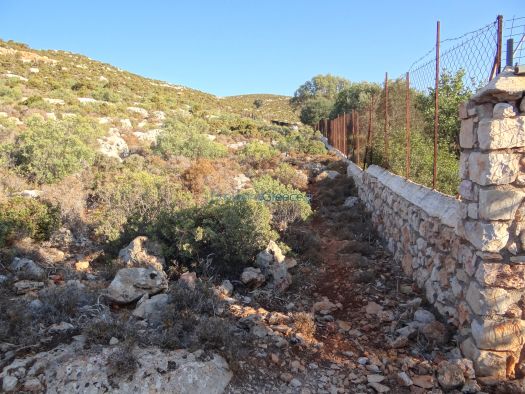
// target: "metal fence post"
[[407, 130], [357, 144], [510, 52], [436, 108], [386, 158]]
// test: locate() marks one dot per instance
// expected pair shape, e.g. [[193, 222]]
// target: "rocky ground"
[[336, 315]]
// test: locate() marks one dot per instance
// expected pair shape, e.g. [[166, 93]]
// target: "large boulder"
[[142, 252], [252, 277], [70, 369], [151, 308], [130, 284], [27, 269], [114, 146]]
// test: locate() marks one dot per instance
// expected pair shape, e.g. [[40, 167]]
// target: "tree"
[[316, 109], [452, 92], [327, 86], [257, 103], [357, 96]]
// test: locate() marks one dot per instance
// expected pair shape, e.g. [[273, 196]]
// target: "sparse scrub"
[[39, 157], [188, 139], [286, 204], [258, 154], [232, 232], [304, 323], [22, 217]]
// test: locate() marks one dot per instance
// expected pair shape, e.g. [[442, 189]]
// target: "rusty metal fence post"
[[386, 153], [407, 129], [496, 67], [436, 108]]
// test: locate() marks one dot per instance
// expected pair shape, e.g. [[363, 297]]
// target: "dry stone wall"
[[468, 254]]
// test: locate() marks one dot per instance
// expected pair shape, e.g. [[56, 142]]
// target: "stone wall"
[[468, 254]]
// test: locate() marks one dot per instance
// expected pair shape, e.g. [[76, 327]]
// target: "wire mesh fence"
[[410, 124]]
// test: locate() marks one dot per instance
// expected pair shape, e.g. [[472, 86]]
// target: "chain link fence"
[[410, 124]]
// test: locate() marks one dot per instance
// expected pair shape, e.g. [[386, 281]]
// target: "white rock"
[[9, 383], [327, 174], [252, 277], [130, 284], [503, 110], [151, 308], [34, 70], [350, 202], [142, 252], [54, 101], [424, 316], [27, 269], [88, 100], [141, 111]]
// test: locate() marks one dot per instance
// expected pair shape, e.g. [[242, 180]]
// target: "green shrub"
[[288, 175], [188, 139], [231, 231], [304, 140], [9, 92], [22, 217], [50, 150], [130, 202], [286, 203], [256, 153]]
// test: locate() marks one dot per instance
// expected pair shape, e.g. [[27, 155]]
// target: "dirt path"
[[359, 299]]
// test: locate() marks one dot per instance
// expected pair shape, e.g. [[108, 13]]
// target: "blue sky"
[[233, 47]]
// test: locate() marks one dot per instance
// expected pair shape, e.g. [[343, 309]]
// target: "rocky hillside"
[[157, 239]]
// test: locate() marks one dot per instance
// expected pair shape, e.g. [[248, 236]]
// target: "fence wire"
[[402, 129]]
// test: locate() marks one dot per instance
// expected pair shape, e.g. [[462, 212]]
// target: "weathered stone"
[[281, 279], [27, 269], [25, 286], [462, 111], [489, 237], [151, 308], [468, 190], [493, 168], [502, 133], [473, 211], [501, 275], [72, 369], [466, 134], [226, 288], [252, 277], [142, 252], [486, 363], [450, 376], [499, 204], [507, 334], [503, 110], [505, 87], [484, 301], [403, 379], [130, 284], [435, 332]]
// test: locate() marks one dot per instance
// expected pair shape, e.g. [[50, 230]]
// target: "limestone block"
[[503, 110], [486, 363], [505, 87], [489, 237], [466, 134], [472, 211], [499, 204], [502, 335], [492, 300], [468, 190], [493, 168], [501, 133], [463, 165], [467, 259], [509, 276]]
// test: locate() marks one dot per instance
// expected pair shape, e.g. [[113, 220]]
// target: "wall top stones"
[[506, 86], [433, 203]]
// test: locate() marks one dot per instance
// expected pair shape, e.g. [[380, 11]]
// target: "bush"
[[39, 157], [231, 231], [305, 140], [288, 175], [21, 217], [197, 176], [257, 153], [188, 139], [286, 204], [130, 202]]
